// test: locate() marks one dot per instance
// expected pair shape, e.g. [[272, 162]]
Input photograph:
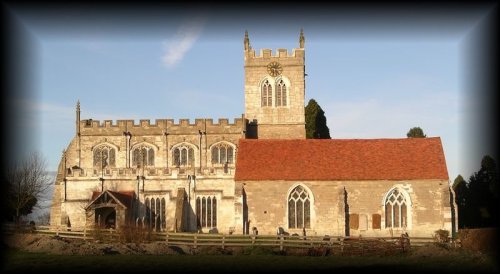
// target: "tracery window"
[[267, 94], [183, 156], [155, 214], [104, 156], [396, 210], [299, 208], [206, 211], [143, 156], [222, 153], [280, 93]]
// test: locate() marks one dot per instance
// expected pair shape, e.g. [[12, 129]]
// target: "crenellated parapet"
[[265, 56], [279, 53], [161, 126], [282, 55]]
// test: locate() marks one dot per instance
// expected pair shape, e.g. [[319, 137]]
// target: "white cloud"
[[186, 36]]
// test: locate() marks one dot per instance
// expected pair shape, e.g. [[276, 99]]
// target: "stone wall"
[[267, 206]]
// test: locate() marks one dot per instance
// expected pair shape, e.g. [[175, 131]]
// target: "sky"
[[376, 73]]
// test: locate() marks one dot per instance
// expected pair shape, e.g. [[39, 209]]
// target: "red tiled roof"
[[95, 194], [341, 159], [125, 197]]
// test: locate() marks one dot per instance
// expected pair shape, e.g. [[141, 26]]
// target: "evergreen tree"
[[462, 198], [316, 127], [416, 132], [483, 192]]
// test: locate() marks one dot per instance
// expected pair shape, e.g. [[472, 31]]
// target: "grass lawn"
[[19, 261]]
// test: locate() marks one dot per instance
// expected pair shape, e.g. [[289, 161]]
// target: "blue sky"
[[375, 76]]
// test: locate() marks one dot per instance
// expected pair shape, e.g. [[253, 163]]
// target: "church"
[[255, 173]]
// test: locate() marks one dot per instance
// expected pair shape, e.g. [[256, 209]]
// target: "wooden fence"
[[196, 240]]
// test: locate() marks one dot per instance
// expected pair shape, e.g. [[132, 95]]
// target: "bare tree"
[[28, 182]]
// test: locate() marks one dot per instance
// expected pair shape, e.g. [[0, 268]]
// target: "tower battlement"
[[279, 53]]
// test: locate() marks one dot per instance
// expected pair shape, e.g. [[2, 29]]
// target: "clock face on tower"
[[274, 69]]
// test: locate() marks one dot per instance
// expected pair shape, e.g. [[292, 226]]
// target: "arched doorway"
[[105, 217]]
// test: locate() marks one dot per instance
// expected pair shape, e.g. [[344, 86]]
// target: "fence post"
[[57, 231], [223, 238], [166, 238], [342, 245], [85, 233], [281, 243], [195, 241]]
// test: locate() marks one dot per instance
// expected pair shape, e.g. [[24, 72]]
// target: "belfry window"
[[222, 153], [299, 208], [143, 156], [206, 211], [280, 94], [396, 210], [183, 156], [267, 94], [104, 156]]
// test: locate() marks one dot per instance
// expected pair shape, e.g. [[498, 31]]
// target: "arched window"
[[143, 156], [206, 211], [104, 156], [222, 153], [396, 209], [183, 156], [299, 208], [280, 93], [155, 213], [267, 94]]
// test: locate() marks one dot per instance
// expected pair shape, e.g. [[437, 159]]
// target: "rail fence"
[[196, 240]]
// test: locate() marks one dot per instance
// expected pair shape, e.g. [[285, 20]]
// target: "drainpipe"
[[201, 136], [64, 172], [166, 148], [127, 135]]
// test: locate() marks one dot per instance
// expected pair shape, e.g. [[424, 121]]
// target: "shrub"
[[133, 234], [442, 236], [258, 250]]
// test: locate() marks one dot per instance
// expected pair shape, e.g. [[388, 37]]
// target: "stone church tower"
[[274, 92]]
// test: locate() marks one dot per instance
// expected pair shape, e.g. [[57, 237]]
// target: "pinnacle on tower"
[[246, 41], [301, 39], [77, 118]]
